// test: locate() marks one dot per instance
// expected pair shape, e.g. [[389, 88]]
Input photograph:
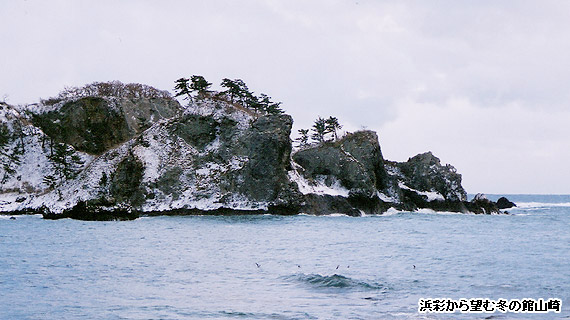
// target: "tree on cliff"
[[196, 84], [183, 88], [265, 104], [319, 130], [236, 89], [332, 126], [303, 138], [10, 155], [199, 84], [66, 163]]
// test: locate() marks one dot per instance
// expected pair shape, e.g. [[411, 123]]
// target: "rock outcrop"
[[351, 176], [504, 203], [425, 173], [345, 174], [212, 158], [101, 158], [97, 124]]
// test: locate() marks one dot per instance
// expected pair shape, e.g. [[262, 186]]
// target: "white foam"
[[431, 211], [392, 212], [538, 205]]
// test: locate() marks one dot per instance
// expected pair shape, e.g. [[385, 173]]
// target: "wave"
[[334, 281], [538, 205], [431, 211]]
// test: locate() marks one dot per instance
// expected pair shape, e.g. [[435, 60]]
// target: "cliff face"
[[425, 173], [103, 158], [211, 157], [96, 124], [351, 176], [344, 174]]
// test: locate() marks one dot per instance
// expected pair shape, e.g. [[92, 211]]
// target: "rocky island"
[[115, 151]]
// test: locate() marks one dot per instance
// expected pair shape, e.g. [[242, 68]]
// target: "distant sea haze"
[[284, 267]]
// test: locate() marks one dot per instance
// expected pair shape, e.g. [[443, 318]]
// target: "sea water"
[[285, 267]]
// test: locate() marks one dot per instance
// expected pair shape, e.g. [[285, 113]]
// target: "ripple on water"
[[335, 281]]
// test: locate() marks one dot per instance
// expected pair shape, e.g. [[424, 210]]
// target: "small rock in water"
[[504, 203]]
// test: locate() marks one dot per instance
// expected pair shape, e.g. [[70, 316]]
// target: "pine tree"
[[319, 130], [10, 155], [66, 163], [235, 89], [303, 138], [199, 85], [265, 104], [332, 126], [274, 108], [182, 88]]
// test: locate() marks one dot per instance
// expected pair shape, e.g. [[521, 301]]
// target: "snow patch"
[[318, 186], [431, 195], [219, 110], [386, 198]]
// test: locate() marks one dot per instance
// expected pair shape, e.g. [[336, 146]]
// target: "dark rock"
[[424, 172], [20, 199], [357, 163], [355, 160], [327, 204], [126, 182], [504, 203], [267, 147], [233, 159], [481, 205], [28, 211], [197, 130], [96, 124], [365, 148], [90, 212]]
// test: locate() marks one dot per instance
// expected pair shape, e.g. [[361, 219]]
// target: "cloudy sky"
[[484, 85]]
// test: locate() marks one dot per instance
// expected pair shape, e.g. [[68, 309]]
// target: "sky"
[[484, 84]]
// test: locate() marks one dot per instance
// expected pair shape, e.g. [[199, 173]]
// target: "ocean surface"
[[285, 267]]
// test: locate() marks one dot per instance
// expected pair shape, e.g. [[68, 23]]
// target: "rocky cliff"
[[352, 177], [96, 124], [102, 158]]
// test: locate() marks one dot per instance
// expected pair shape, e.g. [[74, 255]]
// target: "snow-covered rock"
[[104, 157]]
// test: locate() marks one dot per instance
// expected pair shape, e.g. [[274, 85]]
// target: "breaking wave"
[[540, 205], [334, 281]]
